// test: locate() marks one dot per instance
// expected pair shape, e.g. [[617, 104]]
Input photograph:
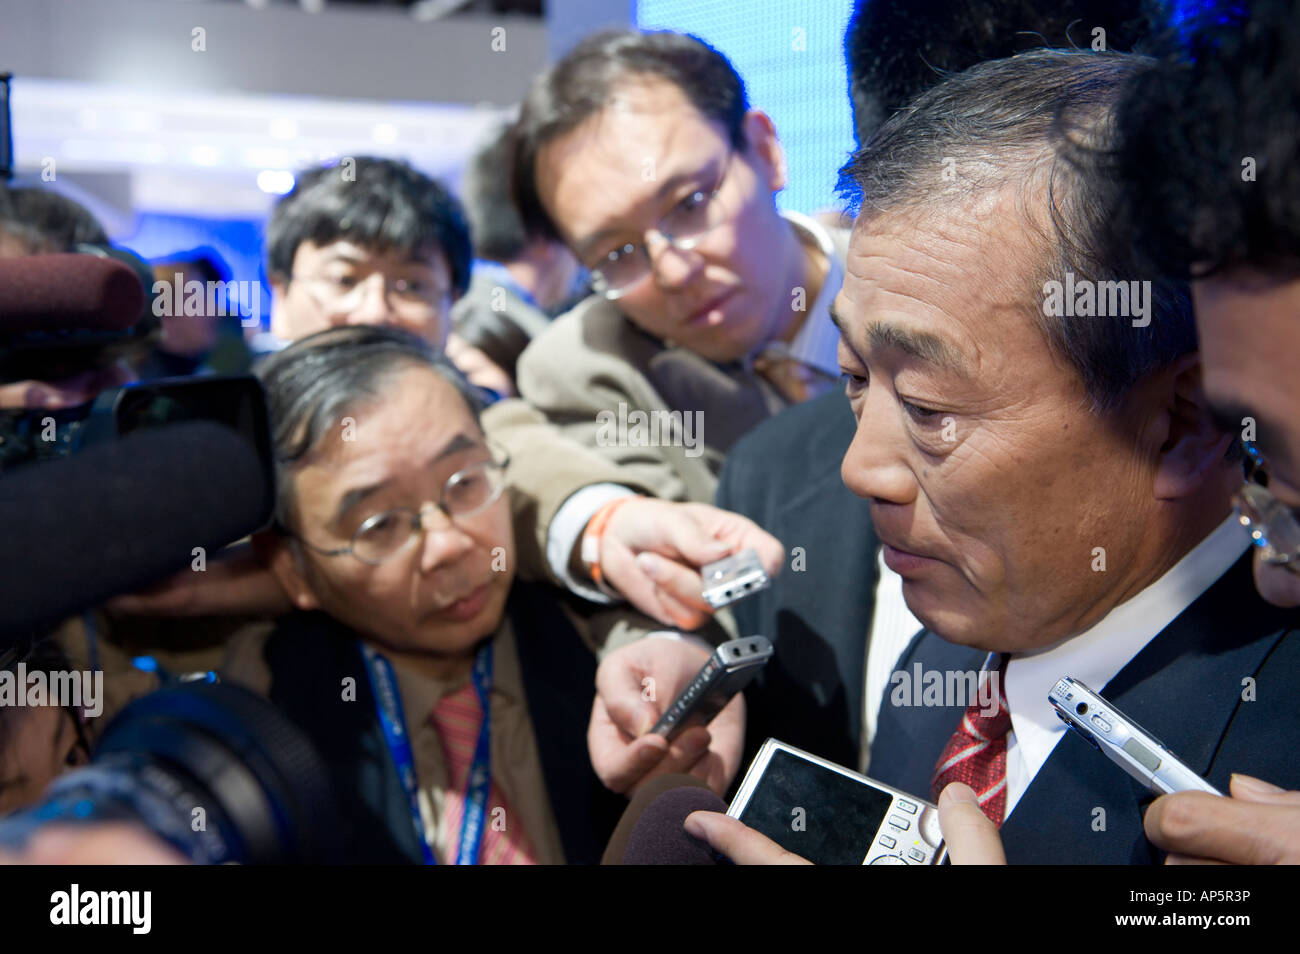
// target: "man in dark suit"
[[818, 612], [1047, 479], [1189, 204], [835, 643]]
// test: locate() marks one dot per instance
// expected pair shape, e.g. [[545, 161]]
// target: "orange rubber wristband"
[[595, 531]]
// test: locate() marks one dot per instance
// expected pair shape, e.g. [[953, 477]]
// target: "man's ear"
[[277, 553], [762, 143], [1192, 445]]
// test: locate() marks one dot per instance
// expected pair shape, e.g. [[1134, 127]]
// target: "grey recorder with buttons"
[[831, 815]]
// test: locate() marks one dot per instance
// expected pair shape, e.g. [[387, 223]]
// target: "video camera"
[[116, 494]]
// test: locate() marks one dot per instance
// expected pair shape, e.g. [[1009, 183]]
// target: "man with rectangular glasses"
[[641, 152]]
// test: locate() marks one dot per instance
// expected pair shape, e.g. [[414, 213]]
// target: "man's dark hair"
[[381, 204], [312, 384], [1208, 146], [46, 221], [494, 224], [580, 85], [1017, 123], [896, 51]]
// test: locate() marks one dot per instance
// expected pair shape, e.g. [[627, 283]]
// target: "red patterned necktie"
[[458, 717], [977, 753]]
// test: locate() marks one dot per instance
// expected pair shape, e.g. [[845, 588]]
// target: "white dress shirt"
[[892, 629], [1097, 655]]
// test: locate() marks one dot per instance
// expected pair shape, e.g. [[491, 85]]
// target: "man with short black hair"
[[1210, 166], [895, 50], [1208, 161], [641, 152], [345, 225], [1050, 485]]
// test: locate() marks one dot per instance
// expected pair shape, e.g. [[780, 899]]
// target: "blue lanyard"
[[388, 704]]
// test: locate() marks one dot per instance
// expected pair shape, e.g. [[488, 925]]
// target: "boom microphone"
[[121, 516], [65, 292]]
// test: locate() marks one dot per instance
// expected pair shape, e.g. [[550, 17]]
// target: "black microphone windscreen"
[[121, 516], [60, 292], [658, 837]]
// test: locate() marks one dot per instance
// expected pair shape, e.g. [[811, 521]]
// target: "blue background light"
[[791, 55]]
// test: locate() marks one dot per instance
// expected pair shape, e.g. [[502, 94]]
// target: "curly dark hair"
[[1208, 145]]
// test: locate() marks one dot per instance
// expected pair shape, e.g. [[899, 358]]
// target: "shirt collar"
[[817, 341], [494, 273], [1097, 655]]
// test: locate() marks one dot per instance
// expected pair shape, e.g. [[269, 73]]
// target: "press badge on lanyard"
[[388, 705]]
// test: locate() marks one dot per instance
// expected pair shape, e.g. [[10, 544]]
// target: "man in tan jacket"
[[640, 151]]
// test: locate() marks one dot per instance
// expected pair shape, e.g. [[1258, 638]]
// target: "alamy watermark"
[[78, 689], [638, 428], [1085, 298], [130, 908], [196, 299], [946, 687]]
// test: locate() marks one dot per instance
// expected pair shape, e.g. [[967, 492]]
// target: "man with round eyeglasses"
[[448, 698], [389, 533]]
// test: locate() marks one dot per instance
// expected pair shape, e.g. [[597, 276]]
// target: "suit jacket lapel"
[[559, 676], [1184, 688], [909, 737], [815, 682]]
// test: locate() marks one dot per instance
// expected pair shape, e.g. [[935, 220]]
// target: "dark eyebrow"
[[351, 257], [14, 782], [355, 496], [583, 247], [920, 345]]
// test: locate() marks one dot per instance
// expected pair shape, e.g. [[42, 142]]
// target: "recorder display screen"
[[840, 815]]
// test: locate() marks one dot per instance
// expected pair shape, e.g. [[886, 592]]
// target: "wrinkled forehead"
[[966, 271], [413, 414]]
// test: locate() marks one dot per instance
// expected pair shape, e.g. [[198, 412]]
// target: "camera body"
[[212, 769], [829, 814]]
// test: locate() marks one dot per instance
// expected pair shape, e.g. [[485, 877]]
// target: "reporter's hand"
[[652, 550], [235, 583], [634, 685], [971, 838], [738, 841], [1258, 825], [478, 368]]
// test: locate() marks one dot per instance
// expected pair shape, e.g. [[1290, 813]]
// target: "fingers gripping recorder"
[[727, 672], [733, 664]]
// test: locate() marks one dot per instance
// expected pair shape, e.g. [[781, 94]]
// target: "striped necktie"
[[458, 718], [977, 752]]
